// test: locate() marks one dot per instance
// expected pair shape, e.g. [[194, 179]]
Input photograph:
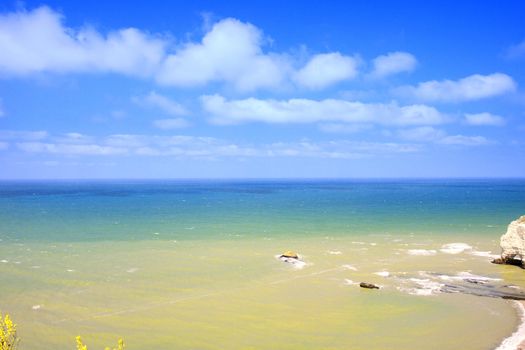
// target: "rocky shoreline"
[[513, 244]]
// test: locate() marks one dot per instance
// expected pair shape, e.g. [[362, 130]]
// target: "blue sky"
[[265, 90]]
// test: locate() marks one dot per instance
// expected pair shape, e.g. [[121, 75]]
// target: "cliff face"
[[513, 242]]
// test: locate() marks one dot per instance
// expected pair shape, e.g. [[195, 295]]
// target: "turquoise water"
[[191, 264], [83, 211]]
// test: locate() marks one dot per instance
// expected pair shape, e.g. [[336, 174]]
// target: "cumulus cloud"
[[327, 69], [232, 52], [393, 63], [37, 41], [161, 102], [223, 111], [173, 123], [473, 87], [484, 119]]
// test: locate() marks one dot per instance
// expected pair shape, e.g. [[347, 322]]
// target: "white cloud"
[[484, 119], [464, 140], [168, 124], [69, 149], [4, 145], [422, 134], [340, 149], [223, 111], [429, 134], [393, 63], [327, 69], [37, 41], [2, 113], [182, 146], [474, 87], [231, 52], [344, 128], [72, 138], [161, 102], [23, 135]]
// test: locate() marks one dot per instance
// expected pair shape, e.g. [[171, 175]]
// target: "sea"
[[194, 264]]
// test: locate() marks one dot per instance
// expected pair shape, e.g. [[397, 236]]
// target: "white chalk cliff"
[[513, 241]]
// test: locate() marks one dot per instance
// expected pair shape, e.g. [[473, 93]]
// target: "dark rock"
[[475, 281], [498, 261], [368, 285], [508, 261]]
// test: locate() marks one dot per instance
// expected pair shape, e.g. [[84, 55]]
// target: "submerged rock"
[[368, 285], [484, 290], [513, 244]]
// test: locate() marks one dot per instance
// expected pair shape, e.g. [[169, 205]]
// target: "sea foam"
[[382, 273], [514, 341], [423, 287], [465, 275], [484, 254], [349, 282], [295, 263], [422, 252], [335, 252], [455, 248]]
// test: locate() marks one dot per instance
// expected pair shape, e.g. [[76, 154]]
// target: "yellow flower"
[[8, 338], [80, 345]]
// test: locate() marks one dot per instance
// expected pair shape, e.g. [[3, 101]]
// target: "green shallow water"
[[178, 266], [235, 294]]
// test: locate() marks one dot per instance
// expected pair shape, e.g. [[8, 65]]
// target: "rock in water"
[[513, 244], [368, 285], [289, 254]]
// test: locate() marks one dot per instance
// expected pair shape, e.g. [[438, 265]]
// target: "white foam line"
[[422, 252], [513, 342], [335, 252], [382, 273], [455, 248]]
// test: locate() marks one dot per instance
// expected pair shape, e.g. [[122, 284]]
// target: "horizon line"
[[270, 178]]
